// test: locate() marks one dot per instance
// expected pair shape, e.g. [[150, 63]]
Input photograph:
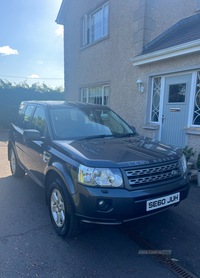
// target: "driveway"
[[29, 247]]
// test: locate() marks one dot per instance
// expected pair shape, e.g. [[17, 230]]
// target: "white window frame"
[[192, 100], [102, 90], [85, 30], [100, 8], [151, 100], [87, 21]]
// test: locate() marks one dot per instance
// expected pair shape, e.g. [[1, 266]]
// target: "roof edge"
[[169, 30], [59, 19], [175, 51]]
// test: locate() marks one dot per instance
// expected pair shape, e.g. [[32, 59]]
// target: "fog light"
[[104, 205], [101, 203]]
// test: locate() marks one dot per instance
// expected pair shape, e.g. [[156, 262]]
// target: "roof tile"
[[184, 31]]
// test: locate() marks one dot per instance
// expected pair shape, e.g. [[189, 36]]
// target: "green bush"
[[12, 95], [188, 152]]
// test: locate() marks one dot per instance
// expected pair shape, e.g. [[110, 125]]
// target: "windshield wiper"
[[95, 137], [124, 135], [116, 135]]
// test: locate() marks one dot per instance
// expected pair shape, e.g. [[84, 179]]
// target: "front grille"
[[153, 174]]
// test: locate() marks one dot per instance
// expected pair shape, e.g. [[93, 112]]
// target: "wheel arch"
[[58, 172]]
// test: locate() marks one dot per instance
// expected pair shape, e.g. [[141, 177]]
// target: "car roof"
[[56, 103]]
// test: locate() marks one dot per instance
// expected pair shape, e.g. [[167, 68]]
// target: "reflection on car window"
[[74, 123], [38, 121], [20, 115], [25, 121]]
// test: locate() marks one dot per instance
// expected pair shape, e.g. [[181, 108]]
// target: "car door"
[[24, 123], [36, 151]]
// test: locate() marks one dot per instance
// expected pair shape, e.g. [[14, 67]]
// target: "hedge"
[[12, 95]]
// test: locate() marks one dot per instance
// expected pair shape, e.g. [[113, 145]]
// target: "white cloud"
[[33, 76], [60, 31], [6, 50], [40, 62]]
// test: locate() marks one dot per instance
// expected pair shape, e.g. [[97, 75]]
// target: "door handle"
[[46, 156], [163, 119]]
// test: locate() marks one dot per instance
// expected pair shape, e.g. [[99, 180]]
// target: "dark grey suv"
[[94, 167]]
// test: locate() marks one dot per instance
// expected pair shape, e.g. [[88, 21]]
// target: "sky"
[[31, 42]]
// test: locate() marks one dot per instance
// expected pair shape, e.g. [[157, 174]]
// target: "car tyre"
[[16, 170], [61, 210]]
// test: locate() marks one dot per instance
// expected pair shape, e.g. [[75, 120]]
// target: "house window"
[[95, 26], [196, 116], [156, 99], [95, 95]]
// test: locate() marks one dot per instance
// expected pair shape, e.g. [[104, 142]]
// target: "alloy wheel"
[[13, 162], [57, 208]]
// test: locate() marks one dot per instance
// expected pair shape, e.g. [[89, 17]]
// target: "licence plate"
[[163, 201]]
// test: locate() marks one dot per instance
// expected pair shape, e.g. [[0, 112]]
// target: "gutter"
[[175, 51]]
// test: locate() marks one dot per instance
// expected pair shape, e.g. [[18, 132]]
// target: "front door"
[[36, 153], [175, 109]]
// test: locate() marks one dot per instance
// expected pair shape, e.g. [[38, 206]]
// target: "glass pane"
[[85, 30], [77, 123], [196, 117], [177, 92], [95, 95], [156, 99], [96, 25], [26, 117], [105, 95], [91, 95], [20, 115], [105, 20], [84, 95], [38, 121]]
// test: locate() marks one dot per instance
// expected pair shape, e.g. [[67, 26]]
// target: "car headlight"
[[184, 163], [100, 177]]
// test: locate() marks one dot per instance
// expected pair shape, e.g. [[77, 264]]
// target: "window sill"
[[151, 126], [192, 130], [97, 41]]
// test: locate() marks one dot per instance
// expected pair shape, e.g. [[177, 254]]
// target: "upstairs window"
[[95, 26]]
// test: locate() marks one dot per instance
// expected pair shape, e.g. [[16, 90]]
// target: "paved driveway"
[[29, 247]]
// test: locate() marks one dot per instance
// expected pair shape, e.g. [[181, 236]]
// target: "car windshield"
[[71, 123]]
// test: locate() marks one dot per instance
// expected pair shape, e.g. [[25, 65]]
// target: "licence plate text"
[[163, 201]]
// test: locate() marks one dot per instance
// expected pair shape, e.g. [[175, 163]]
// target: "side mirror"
[[31, 135]]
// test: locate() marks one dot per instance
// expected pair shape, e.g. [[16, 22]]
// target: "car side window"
[[25, 118], [38, 121], [17, 120]]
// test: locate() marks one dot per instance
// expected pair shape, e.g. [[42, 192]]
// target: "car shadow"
[[3, 135]]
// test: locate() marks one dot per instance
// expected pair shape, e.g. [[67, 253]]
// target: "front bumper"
[[123, 205]]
